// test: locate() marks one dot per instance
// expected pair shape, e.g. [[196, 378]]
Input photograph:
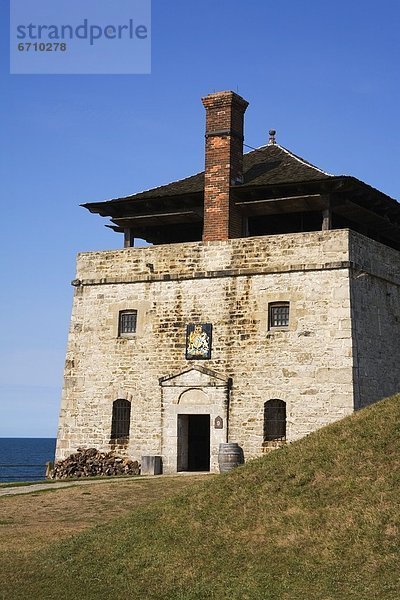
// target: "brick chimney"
[[224, 164]]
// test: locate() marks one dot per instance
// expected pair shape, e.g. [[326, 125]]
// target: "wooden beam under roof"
[[373, 220], [157, 206], [162, 218], [289, 204]]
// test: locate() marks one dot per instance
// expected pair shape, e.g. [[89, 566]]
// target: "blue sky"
[[324, 74]]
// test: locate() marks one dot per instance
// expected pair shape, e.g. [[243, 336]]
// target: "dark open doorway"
[[193, 443]]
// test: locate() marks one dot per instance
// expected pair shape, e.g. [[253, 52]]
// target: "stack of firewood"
[[89, 462]]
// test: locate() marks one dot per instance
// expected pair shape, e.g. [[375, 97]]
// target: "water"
[[21, 452]]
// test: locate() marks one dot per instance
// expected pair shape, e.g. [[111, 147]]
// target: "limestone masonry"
[[258, 336]]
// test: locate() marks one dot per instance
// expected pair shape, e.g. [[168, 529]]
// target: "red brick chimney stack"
[[224, 164]]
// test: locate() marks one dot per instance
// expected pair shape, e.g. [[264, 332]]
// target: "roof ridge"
[[258, 148], [262, 149], [290, 153], [304, 162]]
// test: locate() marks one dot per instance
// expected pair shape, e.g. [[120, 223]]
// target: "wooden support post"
[[129, 240], [326, 219], [327, 215]]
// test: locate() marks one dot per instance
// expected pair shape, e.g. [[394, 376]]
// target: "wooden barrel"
[[230, 455]]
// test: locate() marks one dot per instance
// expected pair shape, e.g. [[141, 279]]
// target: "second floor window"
[[278, 315], [127, 322]]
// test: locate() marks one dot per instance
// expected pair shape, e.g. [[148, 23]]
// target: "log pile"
[[89, 462]]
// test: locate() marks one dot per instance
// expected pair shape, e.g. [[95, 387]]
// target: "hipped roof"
[[264, 166], [273, 177]]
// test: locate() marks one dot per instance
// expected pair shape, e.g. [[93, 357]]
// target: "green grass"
[[319, 519]]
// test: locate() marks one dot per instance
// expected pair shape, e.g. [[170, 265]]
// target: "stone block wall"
[[375, 299], [309, 365], [244, 256]]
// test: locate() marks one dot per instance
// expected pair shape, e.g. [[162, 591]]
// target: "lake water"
[[27, 457]]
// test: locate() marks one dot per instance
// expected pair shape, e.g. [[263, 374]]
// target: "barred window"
[[278, 314], [127, 322], [121, 419], [274, 420]]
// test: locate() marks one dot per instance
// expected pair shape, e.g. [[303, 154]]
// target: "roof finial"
[[272, 140]]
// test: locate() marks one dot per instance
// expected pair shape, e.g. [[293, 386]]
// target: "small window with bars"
[[278, 315], [127, 322]]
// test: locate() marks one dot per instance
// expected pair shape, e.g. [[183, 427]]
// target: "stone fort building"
[[267, 306]]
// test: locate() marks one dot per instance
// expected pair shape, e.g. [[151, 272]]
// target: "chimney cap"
[[223, 99], [272, 141]]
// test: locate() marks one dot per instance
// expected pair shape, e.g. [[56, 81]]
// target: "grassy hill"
[[319, 519]]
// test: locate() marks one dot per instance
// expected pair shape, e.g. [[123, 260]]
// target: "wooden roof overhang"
[[145, 216], [344, 196], [131, 206]]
